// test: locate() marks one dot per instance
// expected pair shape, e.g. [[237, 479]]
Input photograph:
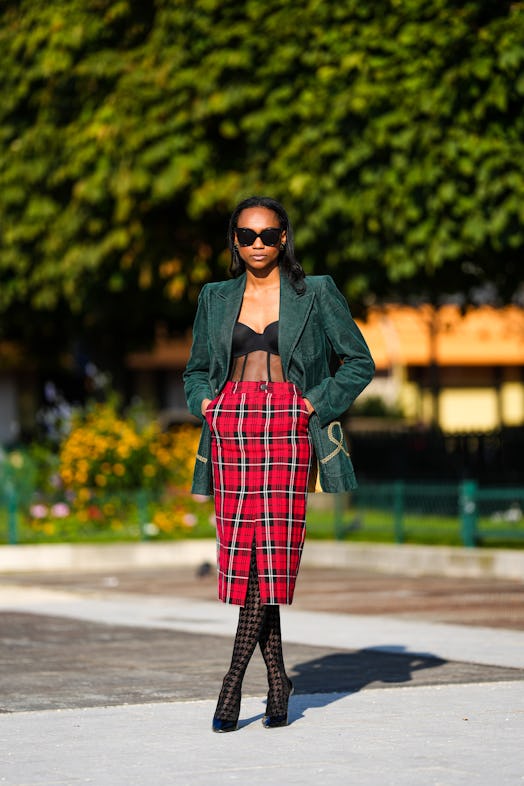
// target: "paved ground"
[[55, 662], [112, 679], [493, 603]]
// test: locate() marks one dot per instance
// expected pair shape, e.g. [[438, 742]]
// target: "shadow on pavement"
[[323, 680], [339, 673]]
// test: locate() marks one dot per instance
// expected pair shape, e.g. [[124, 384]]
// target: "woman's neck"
[[262, 281]]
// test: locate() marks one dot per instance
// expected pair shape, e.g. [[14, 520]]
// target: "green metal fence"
[[423, 512], [456, 514], [9, 502]]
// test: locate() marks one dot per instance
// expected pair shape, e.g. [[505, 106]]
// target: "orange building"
[[462, 372]]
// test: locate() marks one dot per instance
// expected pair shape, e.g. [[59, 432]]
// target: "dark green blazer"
[[312, 326]]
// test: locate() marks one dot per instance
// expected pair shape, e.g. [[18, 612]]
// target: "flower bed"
[[111, 477]]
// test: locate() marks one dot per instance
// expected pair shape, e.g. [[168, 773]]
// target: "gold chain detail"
[[338, 442]]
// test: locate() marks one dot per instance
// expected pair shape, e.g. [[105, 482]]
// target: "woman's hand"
[[309, 406], [205, 403]]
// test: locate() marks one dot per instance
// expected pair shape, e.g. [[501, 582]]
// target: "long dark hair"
[[287, 260]]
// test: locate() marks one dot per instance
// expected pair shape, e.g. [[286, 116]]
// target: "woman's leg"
[[280, 686], [250, 622]]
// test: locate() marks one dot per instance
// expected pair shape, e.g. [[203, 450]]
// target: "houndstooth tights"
[[257, 623]]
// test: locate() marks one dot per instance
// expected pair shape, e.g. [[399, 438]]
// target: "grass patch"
[[378, 526], [196, 520]]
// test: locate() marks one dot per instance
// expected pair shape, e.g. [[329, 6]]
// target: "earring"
[[282, 246]]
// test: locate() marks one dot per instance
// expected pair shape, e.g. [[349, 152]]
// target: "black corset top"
[[246, 340]]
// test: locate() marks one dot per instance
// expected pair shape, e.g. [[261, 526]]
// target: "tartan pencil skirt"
[[261, 456]]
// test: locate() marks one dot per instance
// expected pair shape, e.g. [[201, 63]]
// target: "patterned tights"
[[257, 623]]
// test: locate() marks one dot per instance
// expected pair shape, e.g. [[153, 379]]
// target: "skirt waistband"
[[276, 388]]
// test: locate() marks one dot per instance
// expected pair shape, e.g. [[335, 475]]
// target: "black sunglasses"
[[269, 237]]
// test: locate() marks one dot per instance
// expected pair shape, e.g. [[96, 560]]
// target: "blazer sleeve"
[[334, 394], [196, 374]]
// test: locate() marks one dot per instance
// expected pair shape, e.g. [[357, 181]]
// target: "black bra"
[[246, 340]]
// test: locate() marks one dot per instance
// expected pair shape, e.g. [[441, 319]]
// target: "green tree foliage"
[[393, 130]]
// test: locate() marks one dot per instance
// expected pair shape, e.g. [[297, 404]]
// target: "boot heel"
[[274, 721]]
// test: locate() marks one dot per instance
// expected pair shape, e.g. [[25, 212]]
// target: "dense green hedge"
[[392, 129]]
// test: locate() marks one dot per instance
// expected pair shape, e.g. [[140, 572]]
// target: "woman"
[[259, 378]]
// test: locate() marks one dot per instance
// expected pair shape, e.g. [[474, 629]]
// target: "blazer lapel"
[[294, 311], [225, 307]]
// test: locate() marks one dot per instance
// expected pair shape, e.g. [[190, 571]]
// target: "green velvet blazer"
[[313, 326]]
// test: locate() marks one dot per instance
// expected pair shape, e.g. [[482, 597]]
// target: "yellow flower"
[[67, 476], [100, 480]]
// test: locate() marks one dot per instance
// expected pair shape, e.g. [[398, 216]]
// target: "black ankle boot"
[[275, 720], [228, 705], [222, 726]]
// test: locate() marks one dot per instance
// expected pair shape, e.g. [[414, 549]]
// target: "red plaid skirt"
[[261, 457]]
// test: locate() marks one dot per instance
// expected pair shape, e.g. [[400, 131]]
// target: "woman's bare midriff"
[[256, 368]]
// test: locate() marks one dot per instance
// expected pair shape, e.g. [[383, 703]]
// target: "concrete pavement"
[[118, 688], [452, 735]]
